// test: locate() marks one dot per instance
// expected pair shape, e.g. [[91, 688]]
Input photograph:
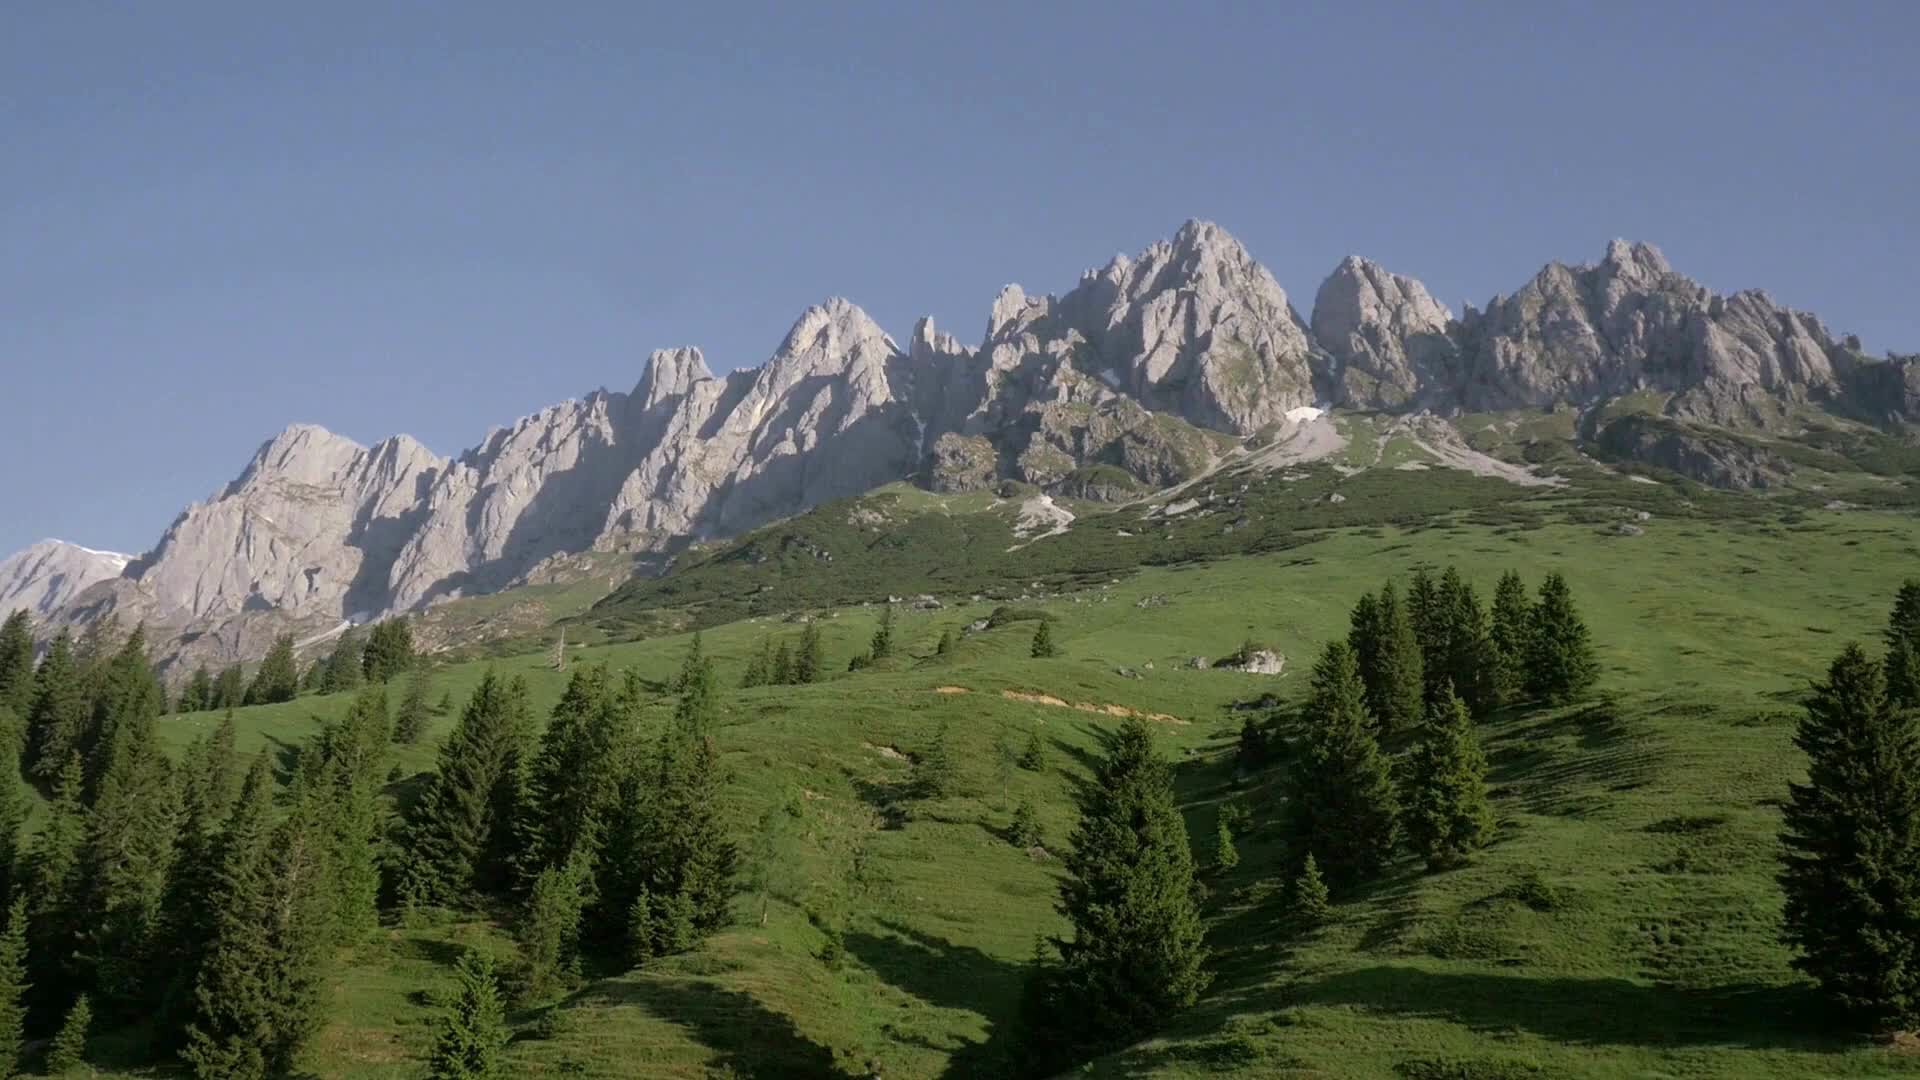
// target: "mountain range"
[[1150, 371]]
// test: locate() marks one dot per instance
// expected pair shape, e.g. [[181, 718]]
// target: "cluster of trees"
[[385, 653], [206, 899], [1851, 833], [788, 665]]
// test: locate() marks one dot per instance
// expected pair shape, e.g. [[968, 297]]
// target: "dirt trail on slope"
[[1121, 711]]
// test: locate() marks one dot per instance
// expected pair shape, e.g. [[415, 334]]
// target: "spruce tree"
[[1134, 954], [278, 679], [781, 671], [230, 689], [472, 1034], [1447, 814], [1511, 630], [759, 670], [69, 1048], [1307, 895], [389, 650], [945, 647], [936, 775], [13, 987], [16, 663], [13, 820], [575, 774], [1396, 684], [461, 835], [1043, 646], [883, 635], [1423, 609], [549, 926], [1469, 664], [186, 926], [1034, 757], [1560, 662], [1903, 648], [345, 665], [808, 661], [1342, 800], [60, 714], [690, 664], [348, 807], [198, 696], [52, 887], [410, 721], [1225, 855], [1363, 637], [1024, 831], [1851, 868], [316, 673]]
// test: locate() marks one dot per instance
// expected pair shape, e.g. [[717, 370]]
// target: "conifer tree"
[[1134, 955], [549, 926], [347, 806], [1511, 629], [53, 886], [1851, 868], [261, 983], [69, 1049], [1447, 814], [389, 650], [883, 636], [186, 926], [1307, 896], [1396, 683], [1560, 662], [575, 774], [759, 666], [13, 820], [945, 647], [781, 671], [1043, 646], [346, 664], [472, 1034], [690, 664], [462, 835], [16, 663], [198, 696], [1423, 610], [13, 987], [1469, 663], [1343, 807], [410, 722], [310, 683], [807, 662], [1903, 648], [1225, 855], [936, 774], [1034, 757], [60, 710], [230, 689], [278, 679], [1024, 831], [1363, 637]]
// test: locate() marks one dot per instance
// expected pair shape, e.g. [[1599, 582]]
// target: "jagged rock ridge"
[[1152, 367], [50, 574]]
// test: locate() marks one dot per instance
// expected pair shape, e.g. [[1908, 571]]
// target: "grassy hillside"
[[1624, 923]]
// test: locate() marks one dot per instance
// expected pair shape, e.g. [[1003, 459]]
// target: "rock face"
[[1151, 370], [51, 574]]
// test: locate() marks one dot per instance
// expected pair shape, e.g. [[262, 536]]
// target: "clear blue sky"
[[216, 219]]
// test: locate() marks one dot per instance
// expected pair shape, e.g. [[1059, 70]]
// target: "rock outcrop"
[[1151, 370], [51, 574]]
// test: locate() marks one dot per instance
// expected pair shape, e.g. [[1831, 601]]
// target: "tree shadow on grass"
[[951, 976], [1589, 1011], [746, 1037]]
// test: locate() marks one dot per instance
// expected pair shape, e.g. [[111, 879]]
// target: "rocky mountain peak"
[[1386, 336], [50, 574], [670, 374]]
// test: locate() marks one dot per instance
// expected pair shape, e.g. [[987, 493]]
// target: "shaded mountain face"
[[1151, 370]]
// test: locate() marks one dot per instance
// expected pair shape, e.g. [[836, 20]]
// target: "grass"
[[1624, 922]]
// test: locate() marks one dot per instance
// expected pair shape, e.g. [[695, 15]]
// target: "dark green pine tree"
[[759, 666], [548, 929], [278, 679], [1423, 608], [206, 786], [936, 773], [1447, 816], [1134, 954], [1342, 805], [60, 714], [1043, 646], [410, 721], [69, 1048], [1561, 665], [52, 885], [348, 805], [780, 673], [230, 689], [883, 635], [126, 857], [345, 665], [1851, 868], [463, 827], [1307, 896], [1024, 831], [16, 663], [198, 695], [945, 647], [809, 660], [1903, 648], [1034, 757], [124, 691], [1512, 628], [1395, 685], [1470, 664], [13, 987], [261, 986], [690, 664], [13, 820], [573, 782], [310, 683], [1363, 637], [389, 650], [471, 1036]]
